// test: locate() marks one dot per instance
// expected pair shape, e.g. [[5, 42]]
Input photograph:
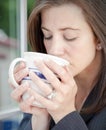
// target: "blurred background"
[[13, 41]]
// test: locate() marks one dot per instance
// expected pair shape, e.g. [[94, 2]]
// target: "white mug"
[[29, 58]]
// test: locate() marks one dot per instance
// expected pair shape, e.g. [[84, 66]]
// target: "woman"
[[74, 30]]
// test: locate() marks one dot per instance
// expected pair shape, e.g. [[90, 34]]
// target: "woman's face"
[[68, 35]]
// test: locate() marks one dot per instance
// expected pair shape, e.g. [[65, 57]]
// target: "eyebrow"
[[45, 28], [68, 28], [62, 29]]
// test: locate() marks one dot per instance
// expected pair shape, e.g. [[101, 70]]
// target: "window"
[[13, 41]]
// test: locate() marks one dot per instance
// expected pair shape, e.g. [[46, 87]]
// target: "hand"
[[20, 72], [39, 115], [64, 86]]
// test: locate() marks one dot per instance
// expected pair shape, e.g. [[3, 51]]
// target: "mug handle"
[[11, 70]]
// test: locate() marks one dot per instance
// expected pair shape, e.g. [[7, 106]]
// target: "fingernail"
[[23, 64]]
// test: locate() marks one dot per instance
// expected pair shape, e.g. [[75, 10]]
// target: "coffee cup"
[[29, 58]]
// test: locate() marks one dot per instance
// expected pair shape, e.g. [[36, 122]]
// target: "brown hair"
[[95, 14]]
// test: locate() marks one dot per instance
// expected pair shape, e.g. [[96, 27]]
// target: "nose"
[[57, 48]]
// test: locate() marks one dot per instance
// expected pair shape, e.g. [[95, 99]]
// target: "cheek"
[[86, 48], [81, 57], [87, 56]]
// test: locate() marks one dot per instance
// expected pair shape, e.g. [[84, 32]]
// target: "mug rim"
[[60, 60]]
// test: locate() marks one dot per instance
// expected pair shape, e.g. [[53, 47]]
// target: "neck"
[[86, 81], [88, 78]]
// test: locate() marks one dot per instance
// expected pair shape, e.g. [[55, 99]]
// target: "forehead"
[[66, 14]]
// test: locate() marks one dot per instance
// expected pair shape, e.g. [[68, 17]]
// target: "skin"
[[70, 37]]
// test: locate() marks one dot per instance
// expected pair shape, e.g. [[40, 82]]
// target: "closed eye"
[[70, 39], [47, 38]]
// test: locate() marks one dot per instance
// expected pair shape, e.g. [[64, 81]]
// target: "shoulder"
[[100, 115], [69, 122], [98, 121]]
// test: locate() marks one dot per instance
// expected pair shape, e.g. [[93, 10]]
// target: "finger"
[[20, 66], [62, 73], [19, 91], [21, 74], [50, 76], [26, 104], [42, 100], [45, 88], [71, 80], [69, 70]]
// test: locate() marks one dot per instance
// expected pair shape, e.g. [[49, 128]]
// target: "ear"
[[98, 45]]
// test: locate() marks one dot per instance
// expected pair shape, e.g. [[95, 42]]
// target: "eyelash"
[[47, 38], [72, 39]]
